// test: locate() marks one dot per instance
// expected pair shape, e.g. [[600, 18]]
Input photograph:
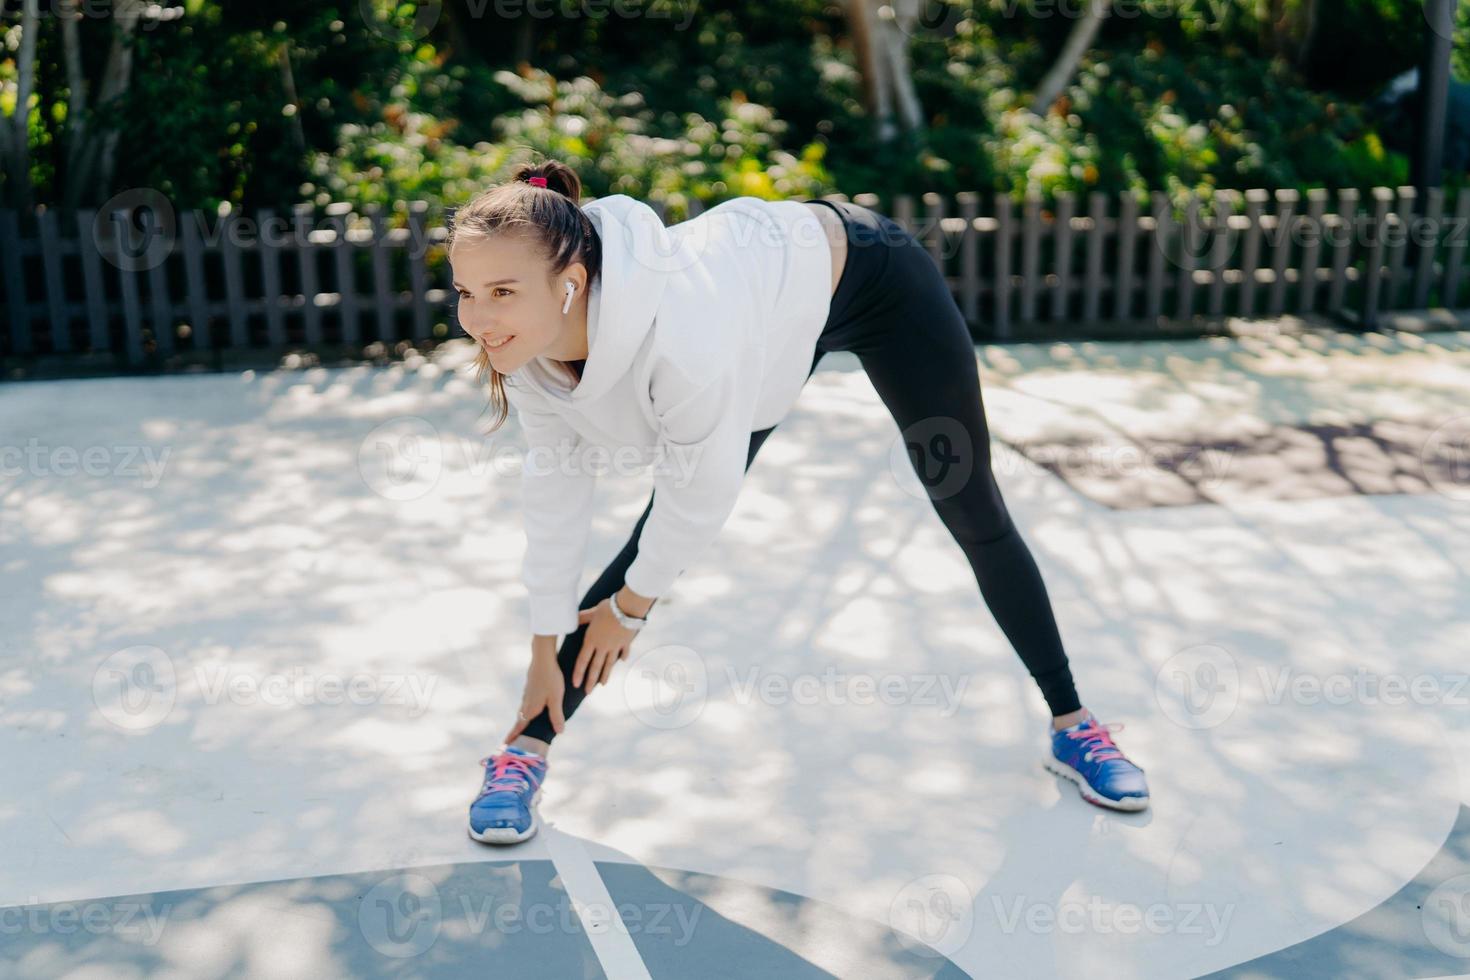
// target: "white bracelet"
[[628, 622]]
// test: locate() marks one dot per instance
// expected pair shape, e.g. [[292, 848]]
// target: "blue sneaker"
[[1085, 754], [505, 811]]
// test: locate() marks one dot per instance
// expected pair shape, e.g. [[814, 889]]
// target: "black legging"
[[894, 310]]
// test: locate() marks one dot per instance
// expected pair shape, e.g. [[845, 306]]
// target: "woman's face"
[[509, 303]]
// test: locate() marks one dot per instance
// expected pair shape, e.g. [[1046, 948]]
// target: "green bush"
[[615, 143]]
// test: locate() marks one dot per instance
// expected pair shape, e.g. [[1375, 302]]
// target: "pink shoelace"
[[1099, 740], [510, 771]]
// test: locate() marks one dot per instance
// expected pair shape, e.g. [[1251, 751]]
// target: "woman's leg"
[[607, 583], [921, 359]]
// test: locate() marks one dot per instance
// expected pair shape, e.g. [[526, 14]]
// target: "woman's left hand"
[[604, 644]]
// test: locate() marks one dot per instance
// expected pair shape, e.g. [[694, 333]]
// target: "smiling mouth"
[[497, 345]]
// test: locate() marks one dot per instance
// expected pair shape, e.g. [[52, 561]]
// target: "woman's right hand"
[[544, 689]]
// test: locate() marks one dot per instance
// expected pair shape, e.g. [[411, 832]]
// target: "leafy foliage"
[[679, 101]]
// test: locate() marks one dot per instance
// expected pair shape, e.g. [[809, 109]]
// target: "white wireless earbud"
[[571, 291]]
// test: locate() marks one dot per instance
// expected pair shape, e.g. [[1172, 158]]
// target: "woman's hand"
[[544, 689], [604, 644]]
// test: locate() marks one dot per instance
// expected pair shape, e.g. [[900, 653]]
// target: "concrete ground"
[[260, 627]]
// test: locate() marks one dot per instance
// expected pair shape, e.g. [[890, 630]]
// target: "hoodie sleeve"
[[557, 490], [703, 445]]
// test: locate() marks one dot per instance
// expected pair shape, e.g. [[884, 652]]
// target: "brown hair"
[[553, 217]]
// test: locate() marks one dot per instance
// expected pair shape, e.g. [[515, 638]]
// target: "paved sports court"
[[260, 627]]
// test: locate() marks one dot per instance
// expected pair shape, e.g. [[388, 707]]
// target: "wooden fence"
[[333, 277]]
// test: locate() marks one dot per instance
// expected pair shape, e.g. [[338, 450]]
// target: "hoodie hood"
[[638, 256]]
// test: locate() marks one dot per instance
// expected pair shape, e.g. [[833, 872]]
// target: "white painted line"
[[589, 896]]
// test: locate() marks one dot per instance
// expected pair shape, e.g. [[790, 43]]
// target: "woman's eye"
[[503, 290], [463, 294]]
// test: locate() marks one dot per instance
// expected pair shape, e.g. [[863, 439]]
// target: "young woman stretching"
[[609, 331]]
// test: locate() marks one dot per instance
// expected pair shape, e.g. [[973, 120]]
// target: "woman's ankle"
[[531, 745], [1058, 722]]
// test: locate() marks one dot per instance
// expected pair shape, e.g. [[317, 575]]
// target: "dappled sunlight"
[[1279, 416], [346, 642]]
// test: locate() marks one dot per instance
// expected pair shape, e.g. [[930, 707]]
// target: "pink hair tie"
[[536, 181]]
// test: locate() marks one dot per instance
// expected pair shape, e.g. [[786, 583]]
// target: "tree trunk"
[[76, 83], [1081, 38], [880, 48], [15, 148], [896, 35], [95, 154], [1311, 31], [1275, 36], [525, 46], [288, 89]]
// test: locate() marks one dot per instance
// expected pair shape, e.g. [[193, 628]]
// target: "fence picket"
[[418, 271], [1344, 226], [160, 305], [1092, 283], [1061, 290], [1002, 289], [1032, 260], [969, 256], [93, 284], [382, 276], [1311, 250], [307, 249], [1283, 241], [1397, 246], [1223, 205], [194, 282], [1188, 236], [937, 241], [1426, 245], [1373, 272], [270, 278], [1250, 251], [903, 212], [51, 270], [1159, 223], [1030, 254], [122, 245], [229, 247], [1459, 231], [1125, 274], [340, 215], [15, 286]]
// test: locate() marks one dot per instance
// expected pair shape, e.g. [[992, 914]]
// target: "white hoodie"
[[698, 334]]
